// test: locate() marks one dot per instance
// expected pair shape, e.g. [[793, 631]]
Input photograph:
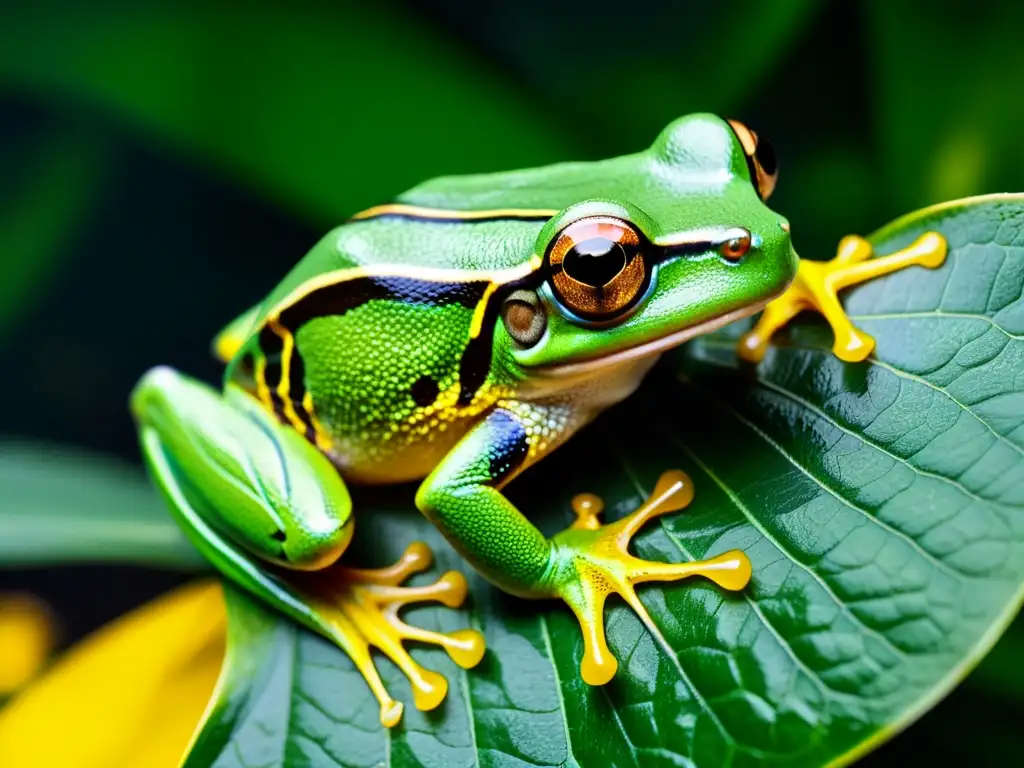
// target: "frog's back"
[[378, 344]]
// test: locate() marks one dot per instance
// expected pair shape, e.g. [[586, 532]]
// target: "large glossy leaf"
[[59, 505], [882, 506]]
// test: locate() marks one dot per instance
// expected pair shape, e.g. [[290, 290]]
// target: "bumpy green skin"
[[385, 376]]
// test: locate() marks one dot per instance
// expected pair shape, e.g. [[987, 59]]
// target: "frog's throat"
[[648, 348]]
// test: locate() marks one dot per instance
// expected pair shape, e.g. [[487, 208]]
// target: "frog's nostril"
[[279, 536], [784, 226]]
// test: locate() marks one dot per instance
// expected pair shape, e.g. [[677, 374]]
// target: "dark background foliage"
[[162, 165]]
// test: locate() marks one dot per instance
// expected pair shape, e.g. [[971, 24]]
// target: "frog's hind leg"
[[360, 609], [817, 285], [271, 514]]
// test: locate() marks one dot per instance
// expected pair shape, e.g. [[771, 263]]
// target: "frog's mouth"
[[647, 348]]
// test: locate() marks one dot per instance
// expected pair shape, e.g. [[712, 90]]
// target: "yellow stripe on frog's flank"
[[445, 214], [284, 385], [323, 440], [481, 306], [481, 309], [426, 274], [260, 374]]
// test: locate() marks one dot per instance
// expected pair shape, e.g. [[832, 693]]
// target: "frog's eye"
[[764, 168], [597, 268]]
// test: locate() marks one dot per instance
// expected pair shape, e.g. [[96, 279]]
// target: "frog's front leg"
[[583, 564], [818, 283], [246, 489]]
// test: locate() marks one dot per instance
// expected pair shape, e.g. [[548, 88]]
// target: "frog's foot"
[[817, 284], [593, 560], [361, 608]]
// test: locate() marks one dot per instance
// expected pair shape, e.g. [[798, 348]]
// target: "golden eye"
[[761, 160], [597, 268], [736, 248]]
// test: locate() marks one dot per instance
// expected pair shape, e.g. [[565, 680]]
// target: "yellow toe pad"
[[818, 283], [598, 563], [361, 608]]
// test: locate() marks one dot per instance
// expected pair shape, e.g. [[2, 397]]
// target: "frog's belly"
[[386, 456], [411, 448], [387, 404]]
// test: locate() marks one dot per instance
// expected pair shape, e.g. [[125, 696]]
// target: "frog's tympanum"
[[458, 336]]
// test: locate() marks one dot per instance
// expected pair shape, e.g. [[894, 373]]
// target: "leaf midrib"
[[546, 634]]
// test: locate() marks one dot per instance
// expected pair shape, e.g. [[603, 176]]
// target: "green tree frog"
[[457, 336]]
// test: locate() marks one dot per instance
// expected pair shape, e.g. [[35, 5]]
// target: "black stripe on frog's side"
[[339, 298], [509, 445], [297, 394], [272, 345], [475, 363]]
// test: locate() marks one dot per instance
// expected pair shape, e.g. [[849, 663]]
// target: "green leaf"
[[58, 505], [327, 109], [882, 506]]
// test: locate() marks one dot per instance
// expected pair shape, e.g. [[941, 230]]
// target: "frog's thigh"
[[462, 498], [227, 460]]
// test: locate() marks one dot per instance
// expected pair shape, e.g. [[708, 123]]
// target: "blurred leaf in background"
[[129, 695], [280, 97], [26, 639], [73, 507], [946, 91], [50, 186]]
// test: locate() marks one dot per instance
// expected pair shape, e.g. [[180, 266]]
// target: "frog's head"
[[677, 241]]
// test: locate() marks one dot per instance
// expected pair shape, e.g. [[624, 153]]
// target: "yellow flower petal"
[[26, 639], [128, 696]]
